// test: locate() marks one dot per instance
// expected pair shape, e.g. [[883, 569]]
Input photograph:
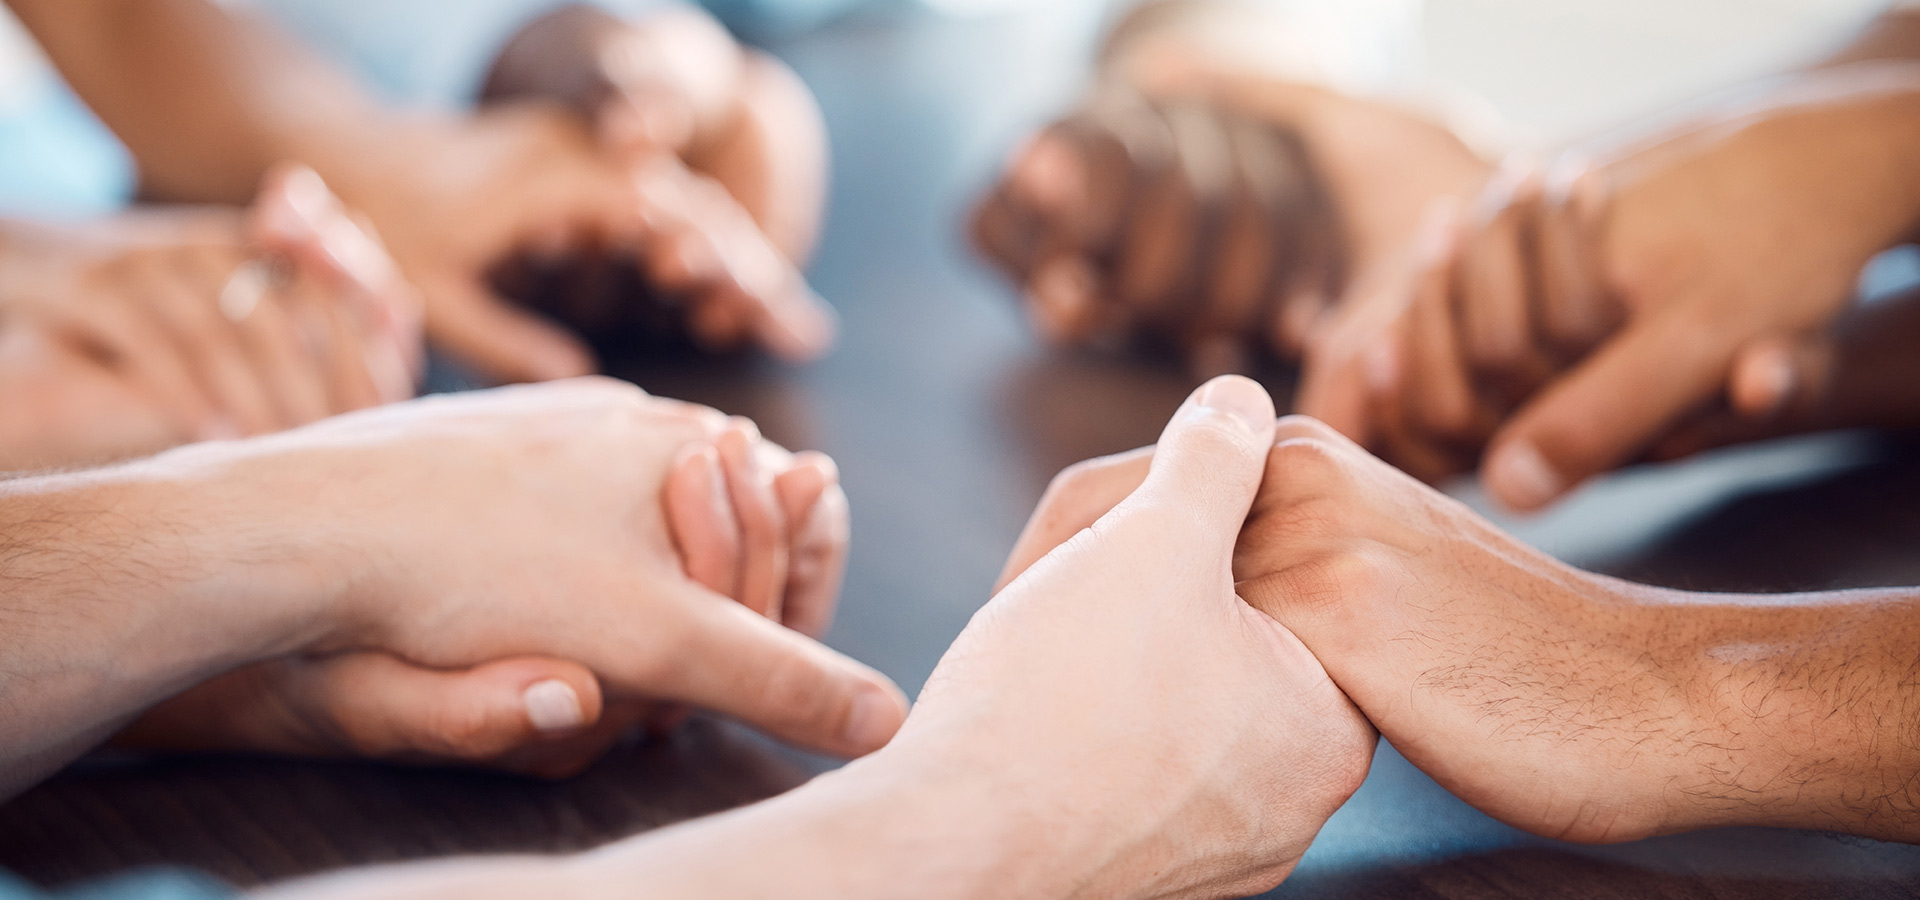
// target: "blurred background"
[[1555, 68], [948, 415]]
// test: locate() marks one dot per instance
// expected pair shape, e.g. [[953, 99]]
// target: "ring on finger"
[[246, 287]]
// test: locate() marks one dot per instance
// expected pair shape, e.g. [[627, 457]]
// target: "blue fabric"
[[158, 884], [57, 160]]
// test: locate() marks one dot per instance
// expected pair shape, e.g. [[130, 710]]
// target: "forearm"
[[1843, 134], [121, 586], [1812, 711], [205, 98], [852, 834]]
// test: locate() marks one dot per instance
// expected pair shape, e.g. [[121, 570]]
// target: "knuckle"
[[1307, 520], [1320, 586], [794, 689]]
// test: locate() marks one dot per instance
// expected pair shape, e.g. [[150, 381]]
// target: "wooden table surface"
[[948, 419]]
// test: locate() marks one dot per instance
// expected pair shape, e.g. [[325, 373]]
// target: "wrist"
[[1797, 721], [135, 583], [376, 160], [247, 535], [893, 818]]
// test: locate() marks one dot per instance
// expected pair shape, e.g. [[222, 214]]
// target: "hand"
[[751, 520], [529, 180], [162, 327], [528, 522], [1138, 729], [1576, 318]]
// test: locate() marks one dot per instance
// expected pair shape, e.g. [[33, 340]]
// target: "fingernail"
[[1238, 396], [1769, 383], [708, 461], [308, 195], [873, 720], [553, 706], [1522, 478]]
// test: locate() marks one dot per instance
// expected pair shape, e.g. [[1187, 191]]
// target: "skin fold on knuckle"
[[1321, 586]]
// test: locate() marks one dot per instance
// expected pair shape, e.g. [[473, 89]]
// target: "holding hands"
[[1568, 704], [1575, 320], [1114, 723], [512, 578], [160, 327], [1158, 736]]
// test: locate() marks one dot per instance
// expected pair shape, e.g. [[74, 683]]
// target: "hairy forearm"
[[869, 831], [1812, 711], [205, 98], [119, 587]]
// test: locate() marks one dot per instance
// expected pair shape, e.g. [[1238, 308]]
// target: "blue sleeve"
[[156, 884]]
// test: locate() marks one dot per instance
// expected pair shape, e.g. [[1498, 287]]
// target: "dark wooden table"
[[948, 420]]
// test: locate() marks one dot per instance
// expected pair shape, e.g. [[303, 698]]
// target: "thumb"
[[1210, 459], [497, 339], [1607, 410], [745, 665]]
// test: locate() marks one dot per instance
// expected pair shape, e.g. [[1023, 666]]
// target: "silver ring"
[[245, 288]]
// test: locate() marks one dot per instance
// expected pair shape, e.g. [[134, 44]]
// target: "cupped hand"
[[529, 522], [166, 326], [1579, 315], [1145, 731]]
